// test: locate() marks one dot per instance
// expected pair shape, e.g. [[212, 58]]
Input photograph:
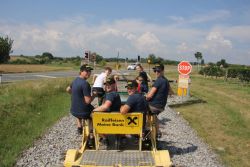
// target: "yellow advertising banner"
[[116, 123]]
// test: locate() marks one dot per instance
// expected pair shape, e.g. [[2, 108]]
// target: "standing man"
[[145, 77], [81, 98], [99, 84], [157, 96]]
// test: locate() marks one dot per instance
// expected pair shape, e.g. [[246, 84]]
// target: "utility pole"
[[117, 61]]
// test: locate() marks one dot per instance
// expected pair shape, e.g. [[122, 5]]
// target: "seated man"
[[136, 102], [81, 99], [157, 96], [111, 102]]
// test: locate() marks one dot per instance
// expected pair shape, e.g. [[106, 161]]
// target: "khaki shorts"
[[155, 110]]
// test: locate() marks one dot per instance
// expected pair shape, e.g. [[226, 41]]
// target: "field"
[[28, 109], [224, 120]]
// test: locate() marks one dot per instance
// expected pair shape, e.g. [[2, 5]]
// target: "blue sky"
[[172, 29]]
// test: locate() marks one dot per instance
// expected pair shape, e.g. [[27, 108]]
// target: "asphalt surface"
[[13, 77]]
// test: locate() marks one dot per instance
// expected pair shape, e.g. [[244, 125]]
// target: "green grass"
[[27, 109], [224, 120]]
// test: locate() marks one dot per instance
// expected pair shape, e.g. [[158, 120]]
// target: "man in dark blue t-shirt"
[[157, 96], [136, 102], [81, 97], [112, 100]]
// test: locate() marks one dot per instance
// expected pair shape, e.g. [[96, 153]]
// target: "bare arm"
[[88, 99], [68, 89], [150, 79], [104, 107], [151, 93], [125, 109], [94, 78]]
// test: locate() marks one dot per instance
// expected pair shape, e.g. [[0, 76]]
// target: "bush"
[[102, 63], [212, 70]]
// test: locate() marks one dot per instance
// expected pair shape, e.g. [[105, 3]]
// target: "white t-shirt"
[[99, 81]]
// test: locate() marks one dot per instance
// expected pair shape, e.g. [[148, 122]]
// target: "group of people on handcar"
[[140, 98]]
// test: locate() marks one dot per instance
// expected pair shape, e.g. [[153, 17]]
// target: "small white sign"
[[183, 81]]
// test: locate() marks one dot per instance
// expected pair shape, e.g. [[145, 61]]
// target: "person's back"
[[98, 85], [137, 103], [115, 98], [159, 99], [99, 80], [80, 88]]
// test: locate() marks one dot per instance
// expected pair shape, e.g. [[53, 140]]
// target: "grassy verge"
[[27, 109], [224, 120]]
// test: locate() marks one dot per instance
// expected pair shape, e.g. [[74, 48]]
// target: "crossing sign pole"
[[184, 68]]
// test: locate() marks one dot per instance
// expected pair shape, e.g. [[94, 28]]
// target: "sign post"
[[149, 61], [184, 68]]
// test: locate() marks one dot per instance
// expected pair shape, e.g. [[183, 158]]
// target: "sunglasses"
[[140, 80], [156, 71]]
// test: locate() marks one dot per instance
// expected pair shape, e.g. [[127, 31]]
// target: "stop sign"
[[184, 67]]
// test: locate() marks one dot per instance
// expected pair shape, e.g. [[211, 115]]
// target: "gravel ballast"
[[185, 147]]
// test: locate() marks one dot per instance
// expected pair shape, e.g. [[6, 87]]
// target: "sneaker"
[[123, 141], [91, 142], [79, 131], [136, 139], [104, 141], [159, 134]]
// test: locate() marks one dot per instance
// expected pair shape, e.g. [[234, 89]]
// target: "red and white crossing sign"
[[184, 67]]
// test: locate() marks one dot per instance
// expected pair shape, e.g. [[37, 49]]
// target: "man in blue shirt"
[[81, 98], [157, 96], [136, 102], [112, 100]]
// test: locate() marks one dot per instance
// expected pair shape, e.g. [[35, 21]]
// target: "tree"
[[152, 58], [5, 49], [222, 63], [47, 55], [198, 56], [202, 61]]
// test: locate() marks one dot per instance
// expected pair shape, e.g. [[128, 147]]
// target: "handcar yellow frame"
[[116, 123]]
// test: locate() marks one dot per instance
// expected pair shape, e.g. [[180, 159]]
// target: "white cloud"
[[216, 43], [184, 48], [148, 43], [69, 37], [201, 18]]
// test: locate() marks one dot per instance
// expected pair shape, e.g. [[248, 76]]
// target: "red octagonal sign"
[[184, 67]]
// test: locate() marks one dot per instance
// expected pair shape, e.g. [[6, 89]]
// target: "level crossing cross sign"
[[184, 67]]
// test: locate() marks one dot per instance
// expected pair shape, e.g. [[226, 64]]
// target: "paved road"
[[5, 78], [40, 75]]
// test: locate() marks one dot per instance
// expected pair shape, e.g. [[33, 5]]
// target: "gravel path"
[[179, 138]]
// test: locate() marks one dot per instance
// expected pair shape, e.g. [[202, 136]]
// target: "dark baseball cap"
[[159, 67], [131, 84], [85, 67], [110, 80]]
